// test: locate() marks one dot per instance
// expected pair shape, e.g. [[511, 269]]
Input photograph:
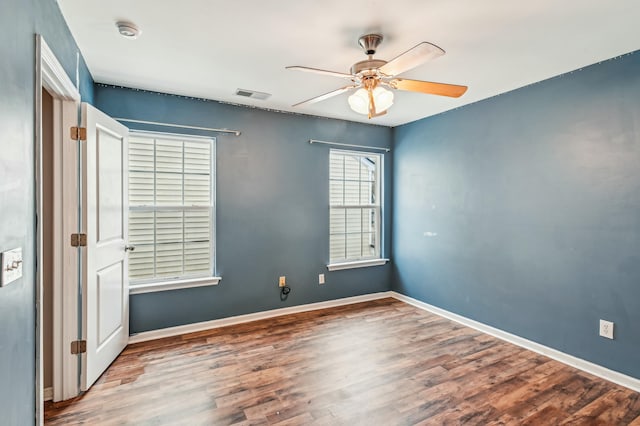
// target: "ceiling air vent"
[[252, 94]]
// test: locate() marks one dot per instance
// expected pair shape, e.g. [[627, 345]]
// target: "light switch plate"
[[11, 266]]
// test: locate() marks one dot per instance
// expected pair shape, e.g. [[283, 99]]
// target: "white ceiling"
[[210, 48]]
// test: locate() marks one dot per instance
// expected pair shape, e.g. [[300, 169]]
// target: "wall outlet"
[[606, 329], [320, 278], [282, 282]]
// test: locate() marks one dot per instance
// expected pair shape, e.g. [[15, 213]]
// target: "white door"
[[105, 299]]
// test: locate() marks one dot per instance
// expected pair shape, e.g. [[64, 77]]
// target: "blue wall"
[[20, 20], [272, 208], [534, 196], [535, 199]]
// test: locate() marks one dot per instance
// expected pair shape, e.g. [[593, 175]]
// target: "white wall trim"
[[173, 285], [54, 78], [356, 264], [48, 394], [581, 364], [239, 319], [66, 280]]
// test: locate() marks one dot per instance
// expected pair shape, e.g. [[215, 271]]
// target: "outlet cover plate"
[[606, 329], [282, 282], [320, 278]]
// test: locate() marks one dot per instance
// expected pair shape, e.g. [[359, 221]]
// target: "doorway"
[[56, 110]]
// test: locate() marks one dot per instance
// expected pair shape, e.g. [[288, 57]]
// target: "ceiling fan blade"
[[326, 95], [319, 71], [431, 88], [413, 57]]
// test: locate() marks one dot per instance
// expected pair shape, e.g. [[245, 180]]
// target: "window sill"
[[356, 264], [173, 285]]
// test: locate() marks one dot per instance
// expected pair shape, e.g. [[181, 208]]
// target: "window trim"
[[356, 264], [155, 286], [187, 281], [377, 259]]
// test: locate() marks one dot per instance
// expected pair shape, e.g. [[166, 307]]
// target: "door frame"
[[51, 76]]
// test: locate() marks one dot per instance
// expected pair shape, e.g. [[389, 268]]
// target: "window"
[[171, 193], [354, 198]]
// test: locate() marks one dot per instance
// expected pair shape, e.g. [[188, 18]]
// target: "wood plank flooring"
[[375, 363]]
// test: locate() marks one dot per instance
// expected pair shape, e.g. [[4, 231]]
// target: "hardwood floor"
[[376, 363]]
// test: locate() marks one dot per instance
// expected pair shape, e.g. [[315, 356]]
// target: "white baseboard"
[[48, 394], [223, 322], [581, 364]]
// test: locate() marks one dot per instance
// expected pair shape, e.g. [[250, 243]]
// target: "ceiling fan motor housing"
[[367, 65]]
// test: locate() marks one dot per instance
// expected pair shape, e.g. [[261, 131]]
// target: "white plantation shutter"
[[354, 198], [170, 197]]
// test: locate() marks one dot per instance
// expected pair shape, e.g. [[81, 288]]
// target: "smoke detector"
[[128, 30]]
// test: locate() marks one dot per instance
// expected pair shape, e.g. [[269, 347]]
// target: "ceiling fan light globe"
[[359, 101], [383, 98]]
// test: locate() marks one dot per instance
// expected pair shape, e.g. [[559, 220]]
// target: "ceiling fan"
[[372, 78]]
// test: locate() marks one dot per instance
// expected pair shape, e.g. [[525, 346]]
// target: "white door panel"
[[110, 189], [109, 293], [105, 310]]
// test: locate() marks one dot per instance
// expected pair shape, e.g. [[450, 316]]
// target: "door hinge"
[[78, 240], [79, 133], [78, 347]]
